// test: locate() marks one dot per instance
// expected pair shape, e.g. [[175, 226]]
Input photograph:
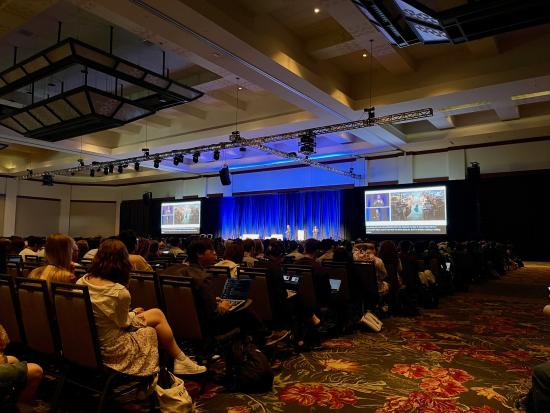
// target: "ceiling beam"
[[507, 112], [442, 122]]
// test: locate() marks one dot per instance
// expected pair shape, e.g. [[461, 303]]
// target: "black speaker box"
[[147, 197], [225, 178], [473, 173]]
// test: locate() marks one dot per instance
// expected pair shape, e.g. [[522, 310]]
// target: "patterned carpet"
[[473, 354]]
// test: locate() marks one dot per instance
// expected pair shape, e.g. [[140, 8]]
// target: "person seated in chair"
[[129, 339], [59, 260], [220, 320], [33, 245], [130, 240], [17, 378], [232, 258]]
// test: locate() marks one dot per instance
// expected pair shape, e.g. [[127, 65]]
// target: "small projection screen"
[[406, 211], [180, 217]]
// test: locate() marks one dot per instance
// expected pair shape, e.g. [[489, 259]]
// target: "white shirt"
[[90, 254], [27, 251]]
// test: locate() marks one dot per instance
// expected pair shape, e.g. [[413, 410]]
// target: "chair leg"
[[105, 393], [57, 394]]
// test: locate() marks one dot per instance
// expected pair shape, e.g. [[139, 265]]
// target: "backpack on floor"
[[249, 368]]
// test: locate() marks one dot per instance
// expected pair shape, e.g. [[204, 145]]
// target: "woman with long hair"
[[59, 260], [129, 339]]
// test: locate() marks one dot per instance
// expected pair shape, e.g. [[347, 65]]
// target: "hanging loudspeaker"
[[147, 197], [225, 178], [473, 172]]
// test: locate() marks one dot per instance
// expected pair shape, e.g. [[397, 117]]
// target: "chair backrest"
[[366, 283], [36, 316], [259, 293], [333, 264], [144, 290], [28, 266], [340, 273], [181, 308], [181, 257], [306, 289], [219, 276], [10, 316], [76, 324], [30, 258], [250, 272]]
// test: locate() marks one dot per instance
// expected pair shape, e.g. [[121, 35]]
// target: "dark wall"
[[510, 209]]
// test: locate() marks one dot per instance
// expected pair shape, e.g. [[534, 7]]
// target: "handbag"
[[172, 395]]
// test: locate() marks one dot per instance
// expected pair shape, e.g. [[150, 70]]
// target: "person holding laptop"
[[220, 318]]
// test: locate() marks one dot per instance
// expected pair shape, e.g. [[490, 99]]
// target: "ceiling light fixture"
[[316, 10], [196, 156], [120, 169], [85, 107], [111, 168], [92, 172], [136, 166], [106, 170], [216, 155], [156, 162]]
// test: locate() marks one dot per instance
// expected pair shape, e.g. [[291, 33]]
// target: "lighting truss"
[[236, 141], [77, 106]]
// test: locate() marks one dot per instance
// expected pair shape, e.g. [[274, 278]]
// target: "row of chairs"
[[55, 326]]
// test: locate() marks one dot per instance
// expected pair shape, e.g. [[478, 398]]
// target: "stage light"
[[92, 172], [145, 152], [316, 10], [47, 180], [120, 169], [136, 166], [106, 170], [156, 162], [72, 173], [29, 172], [364, 55], [111, 168], [196, 157], [178, 159], [307, 143], [80, 161], [216, 155], [242, 149]]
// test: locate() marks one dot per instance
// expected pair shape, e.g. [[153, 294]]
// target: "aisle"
[[473, 354]]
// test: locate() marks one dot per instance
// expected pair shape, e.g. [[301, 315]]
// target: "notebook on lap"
[[236, 292]]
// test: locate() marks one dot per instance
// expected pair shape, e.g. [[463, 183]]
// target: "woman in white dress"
[[128, 339]]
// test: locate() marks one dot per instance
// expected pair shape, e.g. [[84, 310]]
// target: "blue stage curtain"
[[271, 213]]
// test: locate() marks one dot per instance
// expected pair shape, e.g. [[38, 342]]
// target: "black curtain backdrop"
[[511, 209]]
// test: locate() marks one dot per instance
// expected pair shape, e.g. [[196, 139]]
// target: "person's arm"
[[122, 315], [141, 264]]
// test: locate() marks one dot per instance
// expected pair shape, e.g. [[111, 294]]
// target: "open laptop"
[[335, 284], [292, 281], [236, 292]]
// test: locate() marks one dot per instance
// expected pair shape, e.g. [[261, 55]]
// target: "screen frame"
[[406, 187], [179, 202]]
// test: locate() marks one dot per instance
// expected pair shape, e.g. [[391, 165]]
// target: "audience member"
[[129, 339], [16, 245], [31, 249], [59, 260], [19, 380], [295, 251], [154, 251], [130, 240], [219, 319], [83, 248], [143, 247], [175, 246], [248, 258], [232, 258]]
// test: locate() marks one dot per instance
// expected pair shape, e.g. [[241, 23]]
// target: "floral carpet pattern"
[[473, 354]]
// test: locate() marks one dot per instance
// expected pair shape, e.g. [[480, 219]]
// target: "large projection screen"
[[406, 211], [183, 217]]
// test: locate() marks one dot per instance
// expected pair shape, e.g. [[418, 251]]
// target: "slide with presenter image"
[[406, 211], [182, 217]]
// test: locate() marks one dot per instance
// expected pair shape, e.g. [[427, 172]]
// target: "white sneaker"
[[187, 366]]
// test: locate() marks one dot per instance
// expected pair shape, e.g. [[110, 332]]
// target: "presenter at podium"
[[288, 233], [315, 232]]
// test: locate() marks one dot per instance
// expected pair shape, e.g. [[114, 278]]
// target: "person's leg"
[[34, 378], [182, 364], [541, 388], [155, 318]]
